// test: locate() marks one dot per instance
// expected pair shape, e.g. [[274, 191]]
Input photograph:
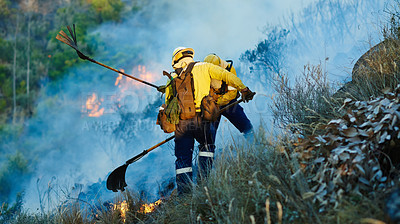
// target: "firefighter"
[[190, 127], [226, 94]]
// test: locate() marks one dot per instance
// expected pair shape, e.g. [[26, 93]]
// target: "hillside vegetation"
[[334, 162], [31, 59]]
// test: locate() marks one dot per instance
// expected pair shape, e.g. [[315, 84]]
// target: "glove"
[[247, 94], [161, 88]]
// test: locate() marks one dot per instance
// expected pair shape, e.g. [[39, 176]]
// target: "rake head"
[[63, 37]]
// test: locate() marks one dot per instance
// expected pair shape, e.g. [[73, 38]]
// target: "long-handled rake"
[[63, 37]]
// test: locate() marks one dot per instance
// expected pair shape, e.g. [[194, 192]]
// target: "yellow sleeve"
[[219, 73], [168, 91], [227, 97]]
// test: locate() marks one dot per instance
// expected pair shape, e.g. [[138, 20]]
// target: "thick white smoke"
[[74, 151]]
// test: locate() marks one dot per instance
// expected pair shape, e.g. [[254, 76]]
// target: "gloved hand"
[[161, 88], [247, 94]]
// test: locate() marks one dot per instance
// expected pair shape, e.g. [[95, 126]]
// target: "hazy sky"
[[228, 27]]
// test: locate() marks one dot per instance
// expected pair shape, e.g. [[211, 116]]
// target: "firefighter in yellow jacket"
[[195, 128], [227, 94]]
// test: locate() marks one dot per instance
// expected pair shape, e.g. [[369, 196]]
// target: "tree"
[[268, 54], [108, 9], [14, 70], [28, 59]]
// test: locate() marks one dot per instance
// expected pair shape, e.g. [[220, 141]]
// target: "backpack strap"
[[188, 71], [184, 86], [230, 65], [190, 67]]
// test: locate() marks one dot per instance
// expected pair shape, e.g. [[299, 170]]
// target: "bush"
[[12, 174], [305, 106], [269, 53], [392, 30], [308, 104], [8, 213]]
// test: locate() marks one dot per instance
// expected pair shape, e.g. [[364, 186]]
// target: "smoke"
[[73, 152], [335, 34]]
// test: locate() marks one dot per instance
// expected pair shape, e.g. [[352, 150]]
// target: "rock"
[[377, 66]]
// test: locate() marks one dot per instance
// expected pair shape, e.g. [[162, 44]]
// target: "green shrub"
[[8, 213], [12, 174], [108, 9]]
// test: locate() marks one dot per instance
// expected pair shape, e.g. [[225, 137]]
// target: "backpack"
[[209, 108], [185, 93], [162, 120], [182, 105], [183, 89]]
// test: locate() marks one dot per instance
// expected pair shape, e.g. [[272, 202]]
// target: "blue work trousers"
[[237, 117], [187, 131]]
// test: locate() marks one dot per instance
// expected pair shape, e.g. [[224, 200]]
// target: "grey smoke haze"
[[72, 149], [336, 31]]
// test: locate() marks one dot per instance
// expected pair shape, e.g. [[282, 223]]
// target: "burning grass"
[[130, 208]]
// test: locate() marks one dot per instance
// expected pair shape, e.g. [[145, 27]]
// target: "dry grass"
[[261, 183], [243, 180], [67, 214], [304, 106]]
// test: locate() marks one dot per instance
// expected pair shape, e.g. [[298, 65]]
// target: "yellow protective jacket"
[[203, 72], [231, 94]]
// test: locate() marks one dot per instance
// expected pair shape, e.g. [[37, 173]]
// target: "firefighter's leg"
[[184, 143], [239, 119], [206, 149]]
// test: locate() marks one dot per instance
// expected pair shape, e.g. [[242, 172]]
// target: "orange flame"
[[148, 208], [93, 103], [145, 75], [93, 106], [123, 208], [124, 83], [118, 79]]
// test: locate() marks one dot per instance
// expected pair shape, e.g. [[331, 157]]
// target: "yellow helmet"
[[181, 52], [213, 59]]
